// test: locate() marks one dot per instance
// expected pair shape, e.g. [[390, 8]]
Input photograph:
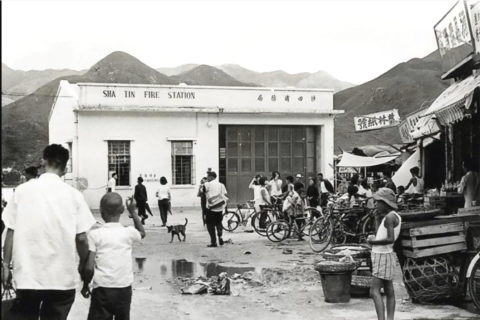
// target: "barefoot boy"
[[110, 261], [383, 257]]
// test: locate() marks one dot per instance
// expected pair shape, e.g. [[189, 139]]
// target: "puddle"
[[184, 269]]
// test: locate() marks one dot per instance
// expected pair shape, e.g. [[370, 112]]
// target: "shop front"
[[180, 132]]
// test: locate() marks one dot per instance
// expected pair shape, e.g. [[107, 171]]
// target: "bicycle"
[[282, 229], [231, 220], [339, 224], [473, 278]]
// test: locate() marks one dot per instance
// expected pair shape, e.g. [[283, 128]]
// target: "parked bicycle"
[[473, 278], [339, 224], [232, 219], [287, 227]]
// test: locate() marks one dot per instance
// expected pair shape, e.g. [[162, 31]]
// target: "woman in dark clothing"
[[312, 193], [141, 198], [203, 199]]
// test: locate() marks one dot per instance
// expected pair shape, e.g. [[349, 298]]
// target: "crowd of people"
[[43, 246]]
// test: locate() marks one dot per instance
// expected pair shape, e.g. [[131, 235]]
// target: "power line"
[[19, 94]]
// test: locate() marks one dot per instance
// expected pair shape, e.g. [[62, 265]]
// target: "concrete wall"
[[150, 150]]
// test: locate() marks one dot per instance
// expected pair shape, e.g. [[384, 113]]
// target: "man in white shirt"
[[46, 221], [112, 183], [214, 189], [470, 184]]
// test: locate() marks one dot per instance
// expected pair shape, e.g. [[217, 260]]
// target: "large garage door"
[[250, 150]]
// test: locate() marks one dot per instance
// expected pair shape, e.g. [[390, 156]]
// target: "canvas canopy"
[[403, 175], [351, 160]]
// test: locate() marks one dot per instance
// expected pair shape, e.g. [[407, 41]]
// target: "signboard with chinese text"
[[454, 38], [475, 22], [377, 120], [409, 125]]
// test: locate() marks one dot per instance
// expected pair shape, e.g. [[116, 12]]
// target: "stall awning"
[[449, 107], [351, 160], [403, 175]]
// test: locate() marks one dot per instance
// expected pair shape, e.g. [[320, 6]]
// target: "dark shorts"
[[107, 303], [50, 304]]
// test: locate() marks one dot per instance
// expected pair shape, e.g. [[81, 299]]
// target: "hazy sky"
[[354, 41]]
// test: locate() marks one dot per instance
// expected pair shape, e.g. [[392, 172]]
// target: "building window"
[[70, 161], [119, 161], [183, 163]]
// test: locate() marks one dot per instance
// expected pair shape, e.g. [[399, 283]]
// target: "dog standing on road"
[[177, 230]]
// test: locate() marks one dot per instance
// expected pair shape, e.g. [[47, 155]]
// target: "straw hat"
[[386, 195]]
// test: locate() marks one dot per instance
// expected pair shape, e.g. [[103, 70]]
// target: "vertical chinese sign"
[[454, 38], [475, 22], [377, 121]]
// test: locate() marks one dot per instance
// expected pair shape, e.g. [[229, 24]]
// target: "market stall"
[[433, 254]]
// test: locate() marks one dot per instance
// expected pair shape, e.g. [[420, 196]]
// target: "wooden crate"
[[469, 210], [450, 194], [435, 202], [434, 240]]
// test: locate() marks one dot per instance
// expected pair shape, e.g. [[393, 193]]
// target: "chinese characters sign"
[[454, 38], [409, 126], [377, 120], [286, 97], [149, 177], [475, 22]]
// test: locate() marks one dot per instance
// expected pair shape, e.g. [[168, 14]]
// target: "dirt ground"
[[285, 286]]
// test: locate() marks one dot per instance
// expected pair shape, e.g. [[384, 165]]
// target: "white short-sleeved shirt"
[[276, 187], [214, 188], [113, 261], [46, 215], [163, 192], [112, 183]]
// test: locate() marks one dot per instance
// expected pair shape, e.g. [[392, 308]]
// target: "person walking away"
[[383, 257], [216, 204], [31, 173], [203, 200], [164, 197], [325, 188], [416, 181], [109, 262], [387, 180], [312, 193], [262, 202], [112, 183], [141, 198], [275, 185], [470, 184], [46, 221]]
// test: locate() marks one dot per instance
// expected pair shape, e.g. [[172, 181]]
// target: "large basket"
[[430, 279], [336, 267], [361, 285]]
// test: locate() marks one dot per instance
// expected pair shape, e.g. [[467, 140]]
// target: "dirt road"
[[286, 286]]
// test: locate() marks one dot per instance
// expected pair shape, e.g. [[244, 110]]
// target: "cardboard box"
[[470, 210]]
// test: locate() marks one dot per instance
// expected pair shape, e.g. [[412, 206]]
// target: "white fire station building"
[[179, 132]]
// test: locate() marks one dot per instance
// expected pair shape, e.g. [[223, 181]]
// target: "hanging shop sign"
[[475, 22], [454, 36], [377, 120], [409, 125]]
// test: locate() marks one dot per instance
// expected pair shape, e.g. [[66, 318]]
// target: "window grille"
[[119, 161], [183, 163]]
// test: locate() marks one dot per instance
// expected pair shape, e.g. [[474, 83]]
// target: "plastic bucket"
[[336, 286]]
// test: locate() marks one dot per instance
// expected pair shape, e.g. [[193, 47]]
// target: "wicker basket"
[[336, 267], [431, 278], [361, 285]]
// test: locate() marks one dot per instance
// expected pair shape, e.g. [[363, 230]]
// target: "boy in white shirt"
[[110, 261]]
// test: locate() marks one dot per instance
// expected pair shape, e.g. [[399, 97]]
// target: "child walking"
[[110, 261], [383, 257]]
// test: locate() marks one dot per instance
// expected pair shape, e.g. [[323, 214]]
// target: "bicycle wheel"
[[320, 234], [278, 231], [339, 235], [474, 284], [368, 227], [230, 221], [261, 228]]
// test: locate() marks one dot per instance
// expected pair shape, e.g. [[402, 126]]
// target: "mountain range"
[[404, 87]]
